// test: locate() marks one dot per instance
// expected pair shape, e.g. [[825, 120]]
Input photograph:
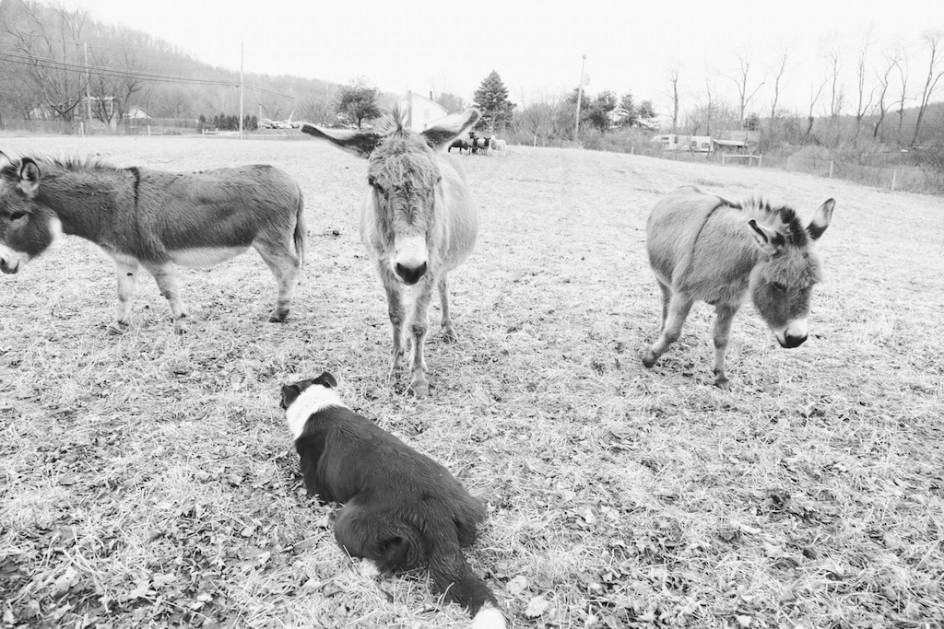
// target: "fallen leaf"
[[537, 606]]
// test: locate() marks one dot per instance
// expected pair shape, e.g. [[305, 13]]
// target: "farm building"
[[676, 142], [736, 140], [421, 112]]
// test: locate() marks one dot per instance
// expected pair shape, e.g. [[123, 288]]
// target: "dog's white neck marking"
[[488, 618], [312, 400]]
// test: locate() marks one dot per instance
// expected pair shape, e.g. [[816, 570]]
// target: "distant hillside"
[[43, 73]]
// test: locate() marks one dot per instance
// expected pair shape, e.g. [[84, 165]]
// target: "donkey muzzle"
[[410, 274], [7, 268], [793, 335]]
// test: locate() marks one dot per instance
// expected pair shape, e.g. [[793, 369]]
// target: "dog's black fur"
[[401, 509]]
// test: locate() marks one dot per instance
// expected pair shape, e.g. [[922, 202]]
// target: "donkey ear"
[[359, 143], [450, 128], [768, 240], [29, 177], [821, 219]]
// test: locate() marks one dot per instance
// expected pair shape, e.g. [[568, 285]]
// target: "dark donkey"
[[703, 247], [154, 219], [417, 222]]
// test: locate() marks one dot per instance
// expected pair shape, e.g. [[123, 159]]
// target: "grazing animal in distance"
[[704, 247], [498, 146], [460, 144], [402, 510], [418, 222], [155, 219]]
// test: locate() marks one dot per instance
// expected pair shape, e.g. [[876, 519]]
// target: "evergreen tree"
[[627, 114], [492, 100]]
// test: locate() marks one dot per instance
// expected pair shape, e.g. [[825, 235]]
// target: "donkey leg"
[[166, 279], [678, 311], [666, 298], [127, 273], [721, 330], [284, 266], [418, 329], [396, 312], [449, 333]]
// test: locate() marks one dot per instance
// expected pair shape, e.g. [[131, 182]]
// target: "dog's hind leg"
[[390, 544]]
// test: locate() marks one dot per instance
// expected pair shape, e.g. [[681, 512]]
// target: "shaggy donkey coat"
[[401, 509], [154, 219], [417, 223], [704, 247]]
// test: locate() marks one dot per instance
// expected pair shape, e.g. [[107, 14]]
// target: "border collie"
[[401, 509]]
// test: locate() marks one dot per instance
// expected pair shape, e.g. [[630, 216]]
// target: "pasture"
[[148, 478]]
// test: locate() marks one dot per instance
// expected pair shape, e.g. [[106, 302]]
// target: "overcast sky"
[[536, 47]]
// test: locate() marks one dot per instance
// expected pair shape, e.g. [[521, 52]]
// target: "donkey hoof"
[[117, 328], [449, 336], [649, 359], [722, 383], [420, 388], [278, 317]]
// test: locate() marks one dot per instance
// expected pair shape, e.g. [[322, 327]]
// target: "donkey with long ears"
[[143, 217], [417, 223], [703, 247]]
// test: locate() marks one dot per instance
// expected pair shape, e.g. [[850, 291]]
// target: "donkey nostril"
[[794, 341], [411, 275]]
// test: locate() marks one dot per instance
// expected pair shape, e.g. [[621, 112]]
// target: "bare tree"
[[709, 102], [862, 105], [836, 97], [673, 86], [883, 82], [935, 71], [741, 79], [901, 64], [814, 97], [780, 69], [46, 41], [115, 79]]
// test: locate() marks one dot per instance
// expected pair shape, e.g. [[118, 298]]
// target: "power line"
[[12, 56]]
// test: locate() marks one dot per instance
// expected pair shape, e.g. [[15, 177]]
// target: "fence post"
[[894, 177], [760, 161], [831, 162]]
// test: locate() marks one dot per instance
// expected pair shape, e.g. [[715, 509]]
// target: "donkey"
[[417, 223], [703, 247], [154, 219]]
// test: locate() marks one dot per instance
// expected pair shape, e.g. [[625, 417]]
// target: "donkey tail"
[[300, 228], [452, 576]]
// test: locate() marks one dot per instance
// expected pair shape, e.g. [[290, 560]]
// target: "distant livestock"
[[498, 146], [417, 223], [459, 143], [154, 219], [703, 247]]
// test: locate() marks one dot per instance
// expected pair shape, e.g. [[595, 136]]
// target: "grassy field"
[[148, 479]]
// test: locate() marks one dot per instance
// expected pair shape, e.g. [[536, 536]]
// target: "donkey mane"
[[784, 218], [89, 162]]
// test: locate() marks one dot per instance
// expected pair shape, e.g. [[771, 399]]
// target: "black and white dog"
[[401, 509]]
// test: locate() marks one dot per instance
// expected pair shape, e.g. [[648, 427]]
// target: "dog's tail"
[[453, 577]]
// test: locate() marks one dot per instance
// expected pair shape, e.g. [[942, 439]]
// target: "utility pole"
[[241, 46], [579, 97], [88, 88]]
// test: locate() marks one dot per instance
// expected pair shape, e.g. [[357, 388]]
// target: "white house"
[[420, 112]]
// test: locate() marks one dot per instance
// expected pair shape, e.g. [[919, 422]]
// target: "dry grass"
[[147, 479]]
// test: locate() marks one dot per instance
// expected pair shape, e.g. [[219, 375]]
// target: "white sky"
[[536, 47]]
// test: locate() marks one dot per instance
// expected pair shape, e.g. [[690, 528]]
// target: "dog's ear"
[[326, 380], [290, 393]]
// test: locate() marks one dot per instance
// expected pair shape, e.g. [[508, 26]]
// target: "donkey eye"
[[779, 287], [15, 216]]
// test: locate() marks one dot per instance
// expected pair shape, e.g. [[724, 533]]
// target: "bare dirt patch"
[[147, 479]]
